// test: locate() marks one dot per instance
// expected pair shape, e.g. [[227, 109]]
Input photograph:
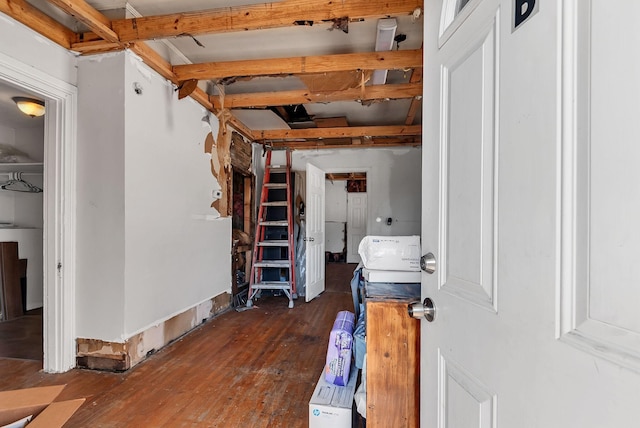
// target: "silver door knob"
[[428, 263], [426, 310]]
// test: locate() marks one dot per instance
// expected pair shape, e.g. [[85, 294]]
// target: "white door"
[[315, 232], [531, 201], [356, 224]]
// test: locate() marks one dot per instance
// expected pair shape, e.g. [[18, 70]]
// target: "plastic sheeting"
[[301, 258], [359, 338]]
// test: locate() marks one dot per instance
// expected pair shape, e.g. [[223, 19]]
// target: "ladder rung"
[[275, 204], [273, 263], [276, 185], [275, 223], [277, 167], [272, 285], [274, 243]]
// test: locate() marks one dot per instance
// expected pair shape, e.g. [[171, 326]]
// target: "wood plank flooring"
[[255, 368], [22, 337]]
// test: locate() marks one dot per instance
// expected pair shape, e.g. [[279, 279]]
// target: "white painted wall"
[[146, 248], [393, 183], [24, 45], [100, 211], [175, 257], [336, 201]]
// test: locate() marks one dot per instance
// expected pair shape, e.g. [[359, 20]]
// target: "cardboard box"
[[330, 405], [18, 404]]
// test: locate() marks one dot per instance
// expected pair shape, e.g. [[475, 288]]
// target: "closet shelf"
[[21, 167]]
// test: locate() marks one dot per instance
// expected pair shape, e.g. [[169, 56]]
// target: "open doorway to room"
[[345, 215], [56, 216], [21, 226]]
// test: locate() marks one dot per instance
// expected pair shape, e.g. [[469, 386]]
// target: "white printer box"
[[330, 405], [400, 253]]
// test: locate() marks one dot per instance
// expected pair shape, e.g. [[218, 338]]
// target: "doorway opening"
[[21, 228], [58, 208], [345, 215]]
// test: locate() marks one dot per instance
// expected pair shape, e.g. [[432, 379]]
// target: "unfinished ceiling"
[[294, 73]]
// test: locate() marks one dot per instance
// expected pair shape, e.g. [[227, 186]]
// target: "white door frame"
[[59, 208]]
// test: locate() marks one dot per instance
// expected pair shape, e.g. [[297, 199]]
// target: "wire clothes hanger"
[[17, 184]]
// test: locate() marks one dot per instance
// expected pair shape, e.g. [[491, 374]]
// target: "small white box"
[[330, 405], [390, 252]]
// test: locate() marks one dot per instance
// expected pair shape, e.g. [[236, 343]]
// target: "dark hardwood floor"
[[255, 368], [22, 337]]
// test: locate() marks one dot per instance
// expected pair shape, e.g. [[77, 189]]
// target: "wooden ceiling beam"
[[339, 132], [301, 65], [255, 17], [329, 144], [416, 77], [281, 98], [96, 47], [88, 15], [23, 12], [343, 176]]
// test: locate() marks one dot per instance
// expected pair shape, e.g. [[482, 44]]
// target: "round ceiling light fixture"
[[30, 106]]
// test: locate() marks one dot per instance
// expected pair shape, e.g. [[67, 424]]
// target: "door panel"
[[467, 176], [466, 400], [356, 224], [315, 259], [601, 275]]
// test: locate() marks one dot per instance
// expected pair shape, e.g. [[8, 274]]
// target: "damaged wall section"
[[149, 245]]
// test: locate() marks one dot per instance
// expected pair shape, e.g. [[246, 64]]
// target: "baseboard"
[[113, 356]]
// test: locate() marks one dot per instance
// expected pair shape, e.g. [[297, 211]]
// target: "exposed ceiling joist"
[[339, 132], [343, 176], [403, 59], [264, 99], [98, 22], [365, 136], [23, 12], [332, 144], [97, 47], [255, 17], [88, 15], [416, 77]]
